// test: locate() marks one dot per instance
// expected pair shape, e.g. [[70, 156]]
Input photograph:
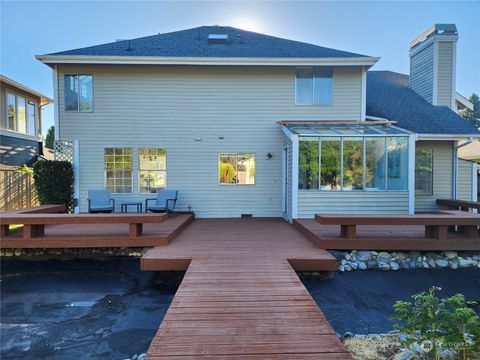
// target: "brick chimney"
[[432, 64]]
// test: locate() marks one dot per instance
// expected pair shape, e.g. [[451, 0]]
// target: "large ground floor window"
[[374, 163]]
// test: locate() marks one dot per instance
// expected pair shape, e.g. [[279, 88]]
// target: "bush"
[[54, 183], [445, 323]]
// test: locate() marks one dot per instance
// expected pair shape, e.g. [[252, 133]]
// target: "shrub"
[[54, 182], [448, 323]]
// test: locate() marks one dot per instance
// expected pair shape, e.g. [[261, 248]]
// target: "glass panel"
[[304, 86], [118, 170], [308, 163], [323, 86], [152, 164], [12, 112], [246, 169], [227, 168], [21, 115], [85, 93], [375, 163], [330, 163], [71, 92], [424, 171], [352, 164], [31, 117], [397, 163]]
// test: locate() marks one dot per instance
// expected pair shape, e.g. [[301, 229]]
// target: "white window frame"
[[78, 93], [27, 99], [313, 87], [422, 193], [236, 168], [105, 170], [139, 169]]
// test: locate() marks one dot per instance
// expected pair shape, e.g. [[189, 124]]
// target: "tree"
[[473, 116], [50, 138]]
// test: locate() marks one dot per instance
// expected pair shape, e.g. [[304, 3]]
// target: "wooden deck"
[[99, 235], [240, 297], [391, 237]]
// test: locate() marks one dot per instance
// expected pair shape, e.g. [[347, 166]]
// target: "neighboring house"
[[245, 123], [21, 123]]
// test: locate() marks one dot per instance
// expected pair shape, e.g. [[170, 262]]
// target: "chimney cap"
[[435, 29]]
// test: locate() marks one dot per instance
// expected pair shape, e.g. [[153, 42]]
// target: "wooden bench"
[[34, 223], [436, 225], [459, 204]]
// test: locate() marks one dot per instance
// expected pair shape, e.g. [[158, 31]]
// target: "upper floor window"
[[236, 168], [424, 171], [78, 91], [21, 114], [152, 169], [314, 86]]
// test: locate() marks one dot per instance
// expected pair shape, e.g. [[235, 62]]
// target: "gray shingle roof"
[[389, 96], [194, 43]]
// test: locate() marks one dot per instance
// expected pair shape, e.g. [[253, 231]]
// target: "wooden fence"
[[17, 191]]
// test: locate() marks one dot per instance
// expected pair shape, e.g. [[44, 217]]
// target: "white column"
[[475, 183], [294, 176], [76, 174], [56, 104], [411, 173]]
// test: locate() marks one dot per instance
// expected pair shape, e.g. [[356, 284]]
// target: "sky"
[[377, 28]]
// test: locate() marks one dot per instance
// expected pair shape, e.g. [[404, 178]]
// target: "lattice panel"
[[64, 150]]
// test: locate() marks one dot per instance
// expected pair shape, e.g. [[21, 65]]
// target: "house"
[[20, 123], [243, 123]]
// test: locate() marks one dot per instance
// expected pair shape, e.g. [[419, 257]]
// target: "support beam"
[[294, 176]]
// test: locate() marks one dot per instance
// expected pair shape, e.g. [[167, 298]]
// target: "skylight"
[[217, 38]]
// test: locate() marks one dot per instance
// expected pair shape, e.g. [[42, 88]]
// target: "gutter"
[[171, 60], [448, 136]]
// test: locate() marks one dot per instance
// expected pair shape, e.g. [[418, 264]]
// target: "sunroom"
[[349, 167]]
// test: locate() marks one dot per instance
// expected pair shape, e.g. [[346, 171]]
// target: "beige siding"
[[421, 72], [445, 64], [338, 202], [168, 107], [442, 174], [464, 180]]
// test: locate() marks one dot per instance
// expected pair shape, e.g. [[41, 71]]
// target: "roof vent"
[[218, 39]]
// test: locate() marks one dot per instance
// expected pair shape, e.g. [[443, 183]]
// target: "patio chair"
[[100, 201], [165, 201]]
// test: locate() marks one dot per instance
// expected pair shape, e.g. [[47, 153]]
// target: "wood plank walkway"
[[240, 297], [392, 237]]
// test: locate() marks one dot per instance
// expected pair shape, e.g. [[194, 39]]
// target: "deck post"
[[4, 230], [135, 230], [30, 231], [348, 231]]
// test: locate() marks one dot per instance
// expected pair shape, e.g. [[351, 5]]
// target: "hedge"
[[54, 183]]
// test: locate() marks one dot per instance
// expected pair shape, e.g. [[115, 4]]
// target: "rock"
[[415, 254], [453, 264], [383, 266], [341, 268], [354, 265], [434, 256], [142, 357], [364, 255], [404, 355], [18, 252], [362, 266], [476, 257], [8, 252], [441, 263], [450, 254], [348, 268], [340, 255], [405, 265], [425, 264], [431, 263], [465, 262], [478, 265], [394, 266], [401, 256], [384, 255], [371, 264], [134, 357], [343, 262]]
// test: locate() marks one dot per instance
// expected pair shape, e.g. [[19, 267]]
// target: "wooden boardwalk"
[[240, 297]]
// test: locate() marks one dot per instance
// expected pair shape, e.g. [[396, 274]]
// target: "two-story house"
[[243, 123]]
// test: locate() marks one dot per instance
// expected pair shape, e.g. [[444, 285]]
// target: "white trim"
[[435, 74], [415, 49], [287, 133], [57, 103], [455, 171], [453, 104], [18, 135], [363, 114], [411, 173], [475, 182], [76, 174], [448, 136], [294, 176], [43, 99], [170, 60], [284, 179]]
